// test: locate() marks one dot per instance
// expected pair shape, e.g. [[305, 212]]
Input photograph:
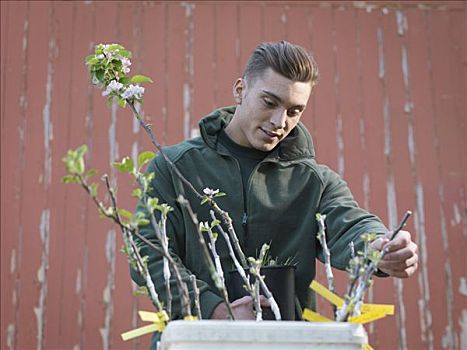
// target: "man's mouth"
[[270, 133]]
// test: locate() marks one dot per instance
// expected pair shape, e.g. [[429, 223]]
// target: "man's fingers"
[[264, 302], [401, 240], [398, 265], [242, 301]]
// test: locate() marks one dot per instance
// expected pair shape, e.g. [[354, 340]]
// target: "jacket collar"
[[298, 144]]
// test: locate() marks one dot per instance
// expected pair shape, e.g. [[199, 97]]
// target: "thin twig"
[[327, 255], [207, 256], [255, 271], [196, 296]]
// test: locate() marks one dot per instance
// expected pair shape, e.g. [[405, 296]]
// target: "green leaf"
[[69, 179], [152, 203], [91, 172], [137, 193], [215, 223], [121, 102], [125, 166], [93, 189], [138, 79], [205, 200], [145, 157], [219, 194], [143, 222], [125, 214]]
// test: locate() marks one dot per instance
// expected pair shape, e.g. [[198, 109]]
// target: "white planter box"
[[245, 335]]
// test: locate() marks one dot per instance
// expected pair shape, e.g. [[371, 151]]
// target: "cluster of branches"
[[108, 67], [361, 269]]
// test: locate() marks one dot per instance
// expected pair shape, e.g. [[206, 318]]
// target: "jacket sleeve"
[[164, 189], [345, 220]]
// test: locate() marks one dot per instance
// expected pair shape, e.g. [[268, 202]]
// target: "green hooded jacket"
[[284, 193]]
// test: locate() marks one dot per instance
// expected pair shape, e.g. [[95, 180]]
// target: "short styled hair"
[[289, 60]]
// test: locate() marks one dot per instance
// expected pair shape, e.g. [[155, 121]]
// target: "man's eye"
[[269, 103], [293, 112]]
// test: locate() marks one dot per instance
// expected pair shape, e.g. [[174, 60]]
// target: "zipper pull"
[[244, 219]]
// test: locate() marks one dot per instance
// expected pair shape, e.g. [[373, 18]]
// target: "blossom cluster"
[[109, 67]]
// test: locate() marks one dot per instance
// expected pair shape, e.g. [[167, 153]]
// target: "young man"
[[262, 157]]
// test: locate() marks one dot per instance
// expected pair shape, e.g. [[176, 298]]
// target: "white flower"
[[133, 91], [126, 63], [100, 56], [210, 192], [113, 86]]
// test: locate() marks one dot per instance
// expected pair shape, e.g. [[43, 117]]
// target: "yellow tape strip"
[[158, 319], [190, 318], [383, 308], [367, 347], [367, 317], [326, 293], [142, 331], [312, 316]]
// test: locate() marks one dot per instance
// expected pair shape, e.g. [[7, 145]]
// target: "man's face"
[[268, 108]]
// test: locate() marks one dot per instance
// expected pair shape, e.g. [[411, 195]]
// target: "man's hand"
[[401, 260], [242, 309]]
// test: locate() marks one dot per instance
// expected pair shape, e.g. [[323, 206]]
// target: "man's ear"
[[238, 90]]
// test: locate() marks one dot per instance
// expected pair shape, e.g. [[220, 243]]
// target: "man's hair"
[[289, 60]]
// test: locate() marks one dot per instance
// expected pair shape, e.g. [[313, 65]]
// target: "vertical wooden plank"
[[227, 52], [14, 60], [449, 147], [102, 126], [388, 69], [203, 73], [325, 100], [58, 96], [35, 217]]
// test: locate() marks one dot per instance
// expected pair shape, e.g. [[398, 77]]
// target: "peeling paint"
[[39, 310], [402, 25], [78, 286], [463, 326], [450, 336], [424, 301], [390, 188], [339, 127], [189, 69], [113, 144], [456, 215], [107, 294], [134, 152], [186, 110], [463, 286], [13, 261], [426, 323], [10, 336], [46, 115]]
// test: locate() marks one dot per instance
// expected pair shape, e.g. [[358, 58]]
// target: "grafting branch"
[[207, 257], [134, 257], [255, 271], [369, 267], [327, 255], [196, 296]]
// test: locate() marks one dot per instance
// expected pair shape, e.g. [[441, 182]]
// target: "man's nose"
[[278, 119]]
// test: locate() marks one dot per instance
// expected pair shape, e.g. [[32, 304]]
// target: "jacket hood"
[[298, 144]]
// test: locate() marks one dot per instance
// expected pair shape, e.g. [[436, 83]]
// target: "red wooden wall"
[[388, 114]]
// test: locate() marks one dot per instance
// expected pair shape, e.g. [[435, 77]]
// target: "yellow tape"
[[158, 319], [367, 317], [190, 318], [367, 347], [326, 293], [312, 316], [383, 308]]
